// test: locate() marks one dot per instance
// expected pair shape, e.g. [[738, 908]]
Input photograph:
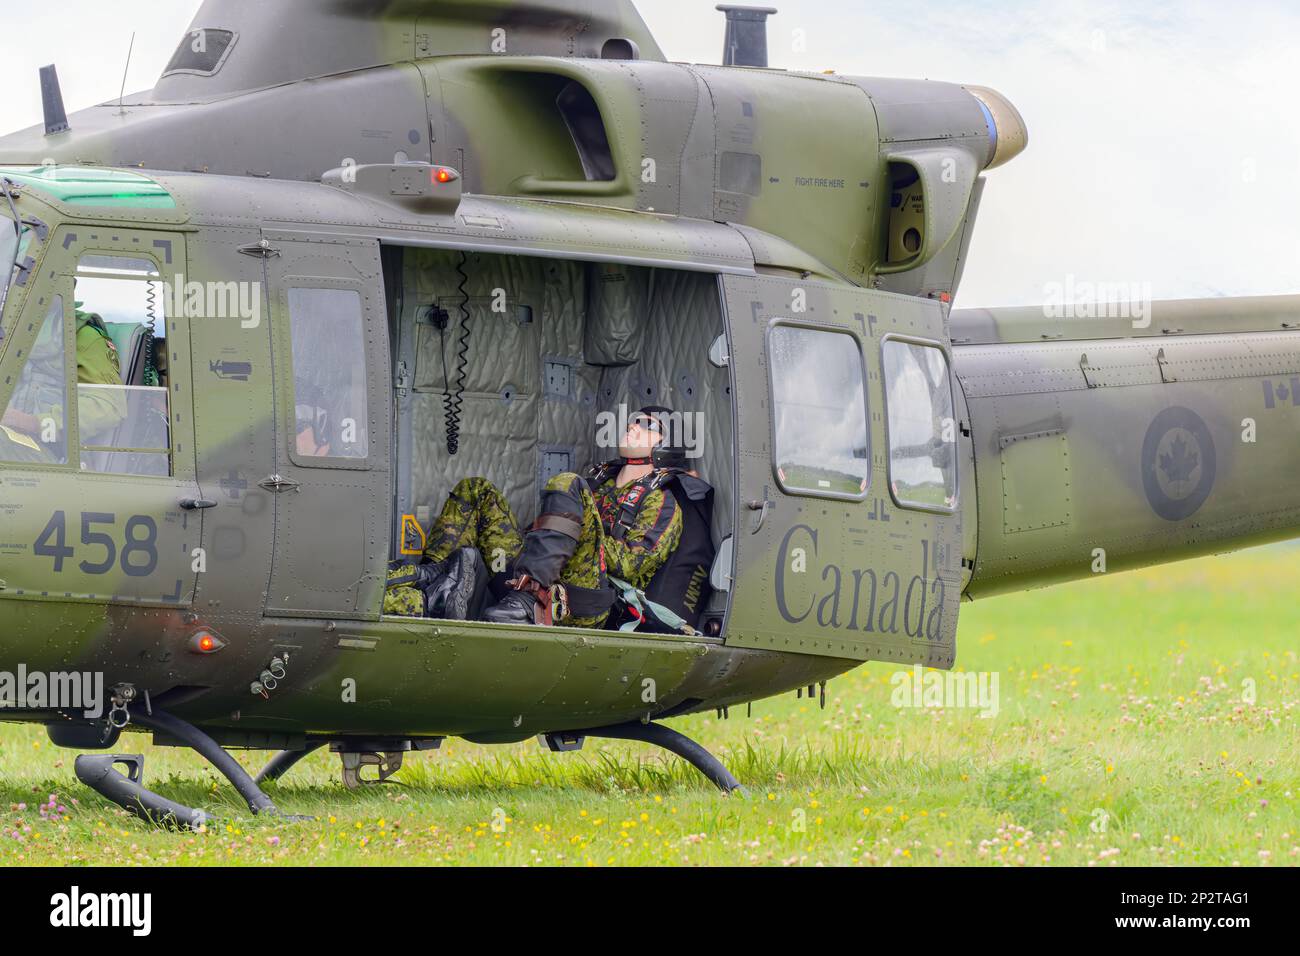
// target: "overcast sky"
[[1164, 137]]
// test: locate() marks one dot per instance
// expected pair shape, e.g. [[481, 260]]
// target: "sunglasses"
[[647, 423]]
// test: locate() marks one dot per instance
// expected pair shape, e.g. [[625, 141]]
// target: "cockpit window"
[[819, 403], [922, 429], [201, 52], [34, 423]]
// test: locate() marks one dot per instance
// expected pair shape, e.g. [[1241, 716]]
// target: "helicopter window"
[[201, 52], [329, 374], [922, 429], [822, 444], [33, 425], [123, 416]]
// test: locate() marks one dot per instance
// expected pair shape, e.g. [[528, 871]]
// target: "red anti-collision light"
[[205, 642], [444, 175]]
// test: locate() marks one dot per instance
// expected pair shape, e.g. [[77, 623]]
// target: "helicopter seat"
[[134, 344]]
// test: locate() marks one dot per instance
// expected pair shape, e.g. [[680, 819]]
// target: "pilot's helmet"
[[671, 450]]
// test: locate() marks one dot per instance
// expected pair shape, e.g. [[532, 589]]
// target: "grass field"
[[1126, 735]]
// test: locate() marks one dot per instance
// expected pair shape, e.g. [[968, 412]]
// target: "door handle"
[[762, 507], [278, 483], [197, 504]]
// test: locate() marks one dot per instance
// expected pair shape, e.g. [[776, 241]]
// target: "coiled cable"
[[151, 310], [454, 395]]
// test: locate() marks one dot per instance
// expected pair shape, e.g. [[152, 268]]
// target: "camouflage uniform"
[[99, 411], [585, 567], [477, 515]]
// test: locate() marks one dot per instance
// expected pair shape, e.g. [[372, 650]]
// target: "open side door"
[[848, 537], [333, 414]]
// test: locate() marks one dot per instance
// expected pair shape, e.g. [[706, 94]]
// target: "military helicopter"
[[465, 235]]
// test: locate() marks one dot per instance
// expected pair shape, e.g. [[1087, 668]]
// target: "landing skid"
[[99, 772], [661, 736]]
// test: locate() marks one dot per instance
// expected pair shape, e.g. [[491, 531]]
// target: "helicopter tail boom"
[[1101, 443]]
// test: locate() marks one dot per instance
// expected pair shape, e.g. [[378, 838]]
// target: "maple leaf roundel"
[[1178, 463]]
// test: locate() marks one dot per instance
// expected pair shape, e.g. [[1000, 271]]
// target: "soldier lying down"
[[616, 521]]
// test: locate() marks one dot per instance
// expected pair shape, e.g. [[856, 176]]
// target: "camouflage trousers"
[[477, 515]]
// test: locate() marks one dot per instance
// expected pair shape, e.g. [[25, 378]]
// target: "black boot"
[[544, 556], [517, 607], [457, 593]]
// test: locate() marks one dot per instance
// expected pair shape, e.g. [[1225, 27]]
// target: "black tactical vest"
[[683, 583]]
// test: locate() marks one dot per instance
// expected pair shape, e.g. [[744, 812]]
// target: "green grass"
[[1121, 701]]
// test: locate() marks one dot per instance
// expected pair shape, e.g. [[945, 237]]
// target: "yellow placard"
[[411, 530]]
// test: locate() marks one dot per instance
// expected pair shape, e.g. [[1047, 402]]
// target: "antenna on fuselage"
[[746, 43], [56, 117], [121, 110]]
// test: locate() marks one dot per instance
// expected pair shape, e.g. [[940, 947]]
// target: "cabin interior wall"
[[538, 375]]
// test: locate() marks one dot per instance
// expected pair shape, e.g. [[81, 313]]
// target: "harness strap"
[[589, 602], [560, 601], [566, 524], [631, 500], [541, 597]]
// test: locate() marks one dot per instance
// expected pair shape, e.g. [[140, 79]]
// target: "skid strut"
[[661, 736], [98, 771], [285, 761], [382, 753]]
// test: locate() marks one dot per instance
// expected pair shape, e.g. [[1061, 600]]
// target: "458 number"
[[138, 557]]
